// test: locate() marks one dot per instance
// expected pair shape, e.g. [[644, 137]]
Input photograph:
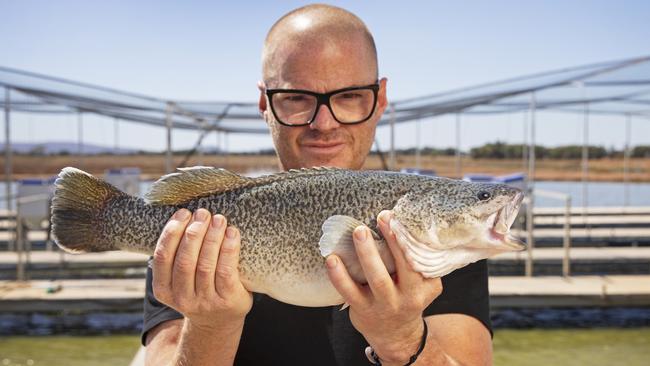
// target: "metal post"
[[524, 147], [20, 265], [80, 138], [626, 160], [417, 144], [116, 134], [585, 158], [458, 157], [169, 124], [531, 184], [225, 148], [585, 172], [8, 152], [199, 145], [566, 262], [391, 160]]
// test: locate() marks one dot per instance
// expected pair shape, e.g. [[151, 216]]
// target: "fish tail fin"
[[337, 239], [79, 199]]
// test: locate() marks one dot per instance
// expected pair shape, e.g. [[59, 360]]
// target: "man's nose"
[[324, 120]]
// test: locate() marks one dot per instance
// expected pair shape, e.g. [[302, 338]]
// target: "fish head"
[[450, 213]]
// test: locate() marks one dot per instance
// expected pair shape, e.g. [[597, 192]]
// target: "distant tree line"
[[500, 150]]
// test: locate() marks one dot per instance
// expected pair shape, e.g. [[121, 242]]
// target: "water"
[[593, 347], [598, 193]]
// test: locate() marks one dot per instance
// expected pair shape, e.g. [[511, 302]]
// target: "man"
[[311, 57]]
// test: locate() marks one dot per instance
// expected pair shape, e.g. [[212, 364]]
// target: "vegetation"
[[500, 150]]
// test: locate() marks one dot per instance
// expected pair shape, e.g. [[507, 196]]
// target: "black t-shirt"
[[276, 333]]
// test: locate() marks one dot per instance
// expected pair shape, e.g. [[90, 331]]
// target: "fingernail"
[[231, 233], [217, 221], [331, 261], [361, 233], [201, 215], [182, 214], [384, 217]]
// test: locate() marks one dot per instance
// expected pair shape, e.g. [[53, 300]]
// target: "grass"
[[592, 347]]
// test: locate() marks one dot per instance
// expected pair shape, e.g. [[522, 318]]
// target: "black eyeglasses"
[[296, 107]]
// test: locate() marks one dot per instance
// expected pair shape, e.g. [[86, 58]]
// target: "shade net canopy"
[[615, 87]]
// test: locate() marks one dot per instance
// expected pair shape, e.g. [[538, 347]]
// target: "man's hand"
[[388, 312], [195, 271]]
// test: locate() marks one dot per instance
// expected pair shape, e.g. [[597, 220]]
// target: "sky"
[[210, 50]]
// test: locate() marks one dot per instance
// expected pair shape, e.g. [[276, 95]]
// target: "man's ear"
[[261, 104], [382, 99]]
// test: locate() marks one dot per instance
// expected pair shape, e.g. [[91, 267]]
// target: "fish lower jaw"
[[504, 242]]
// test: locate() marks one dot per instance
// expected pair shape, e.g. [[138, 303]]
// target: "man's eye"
[[295, 98], [350, 95]]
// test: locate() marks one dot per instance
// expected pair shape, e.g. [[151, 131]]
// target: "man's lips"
[[323, 147]]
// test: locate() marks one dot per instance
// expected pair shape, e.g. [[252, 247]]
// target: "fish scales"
[[280, 217]]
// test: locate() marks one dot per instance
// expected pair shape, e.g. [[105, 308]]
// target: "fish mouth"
[[499, 224]]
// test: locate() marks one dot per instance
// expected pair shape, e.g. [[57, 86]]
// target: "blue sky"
[[211, 51]]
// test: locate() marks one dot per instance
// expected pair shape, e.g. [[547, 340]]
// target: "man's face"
[[322, 68]]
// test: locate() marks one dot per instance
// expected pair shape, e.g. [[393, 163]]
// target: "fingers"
[[184, 269], [227, 274], [409, 279], [163, 256], [402, 267], [378, 277], [207, 262], [344, 284]]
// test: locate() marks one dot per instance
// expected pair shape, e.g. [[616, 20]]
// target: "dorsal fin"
[[200, 181], [193, 182]]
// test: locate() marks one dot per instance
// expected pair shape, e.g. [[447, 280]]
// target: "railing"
[[566, 243], [23, 246]]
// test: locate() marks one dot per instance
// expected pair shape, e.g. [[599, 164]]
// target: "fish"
[[291, 221]]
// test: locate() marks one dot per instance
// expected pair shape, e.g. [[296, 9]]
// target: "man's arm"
[[388, 312], [195, 272]]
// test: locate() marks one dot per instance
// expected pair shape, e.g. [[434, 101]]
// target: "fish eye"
[[484, 195]]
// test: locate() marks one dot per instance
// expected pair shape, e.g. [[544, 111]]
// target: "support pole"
[[417, 145], [585, 172], [566, 262], [626, 161], [585, 159], [530, 225], [20, 245], [8, 152], [80, 138], [391, 159], [458, 157], [169, 124], [226, 147], [524, 147], [116, 135]]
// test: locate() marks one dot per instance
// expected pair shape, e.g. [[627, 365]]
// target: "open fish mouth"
[[499, 223]]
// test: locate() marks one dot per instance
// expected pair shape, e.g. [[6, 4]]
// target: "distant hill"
[[58, 147]]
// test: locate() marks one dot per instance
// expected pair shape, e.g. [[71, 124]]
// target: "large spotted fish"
[[291, 221]]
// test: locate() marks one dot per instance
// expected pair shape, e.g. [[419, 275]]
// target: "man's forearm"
[[201, 346]]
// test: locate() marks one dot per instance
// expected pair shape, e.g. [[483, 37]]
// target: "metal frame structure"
[[611, 88], [619, 87]]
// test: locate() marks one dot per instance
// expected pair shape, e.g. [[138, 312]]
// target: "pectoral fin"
[[337, 239]]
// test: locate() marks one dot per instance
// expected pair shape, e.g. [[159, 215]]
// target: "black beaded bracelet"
[[372, 356]]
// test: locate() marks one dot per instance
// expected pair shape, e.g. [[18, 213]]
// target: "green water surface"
[[593, 347]]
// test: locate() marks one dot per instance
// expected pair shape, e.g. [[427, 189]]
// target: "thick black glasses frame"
[[324, 98]]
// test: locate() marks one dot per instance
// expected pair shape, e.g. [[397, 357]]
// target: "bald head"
[[314, 29]]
